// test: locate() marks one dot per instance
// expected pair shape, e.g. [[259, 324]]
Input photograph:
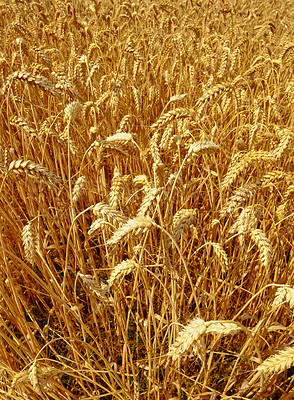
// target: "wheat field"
[[146, 199]]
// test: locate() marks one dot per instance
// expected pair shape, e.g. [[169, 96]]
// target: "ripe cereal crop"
[[146, 199]]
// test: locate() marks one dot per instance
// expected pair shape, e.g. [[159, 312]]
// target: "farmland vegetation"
[[146, 199]]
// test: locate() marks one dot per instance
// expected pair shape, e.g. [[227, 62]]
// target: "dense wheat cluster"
[[146, 199]]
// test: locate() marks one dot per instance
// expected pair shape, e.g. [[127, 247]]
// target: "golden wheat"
[[164, 131]]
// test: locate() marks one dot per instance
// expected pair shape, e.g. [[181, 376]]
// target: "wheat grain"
[[245, 222], [33, 378], [38, 81], [148, 200], [72, 111], [99, 224]]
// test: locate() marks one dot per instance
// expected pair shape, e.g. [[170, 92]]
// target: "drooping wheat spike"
[[286, 49], [203, 147], [177, 113], [284, 293], [252, 135], [290, 297], [137, 99], [120, 271], [279, 362], [268, 179], [242, 161], [182, 221], [284, 208], [186, 338], [72, 111], [224, 63], [116, 189], [102, 99], [29, 240], [135, 226], [33, 378], [239, 197], [235, 59], [174, 178], [120, 141], [284, 145], [88, 109], [142, 180], [190, 336], [226, 102], [124, 125], [100, 289], [108, 213], [222, 327], [99, 224], [5, 160], [237, 165], [165, 141], [289, 193], [23, 124], [257, 66], [245, 222], [78, 189], [221, 255], [211, 94], [33, 170], [264, 246], [154, 147], [35, 80], [148, 201], [121, 138]]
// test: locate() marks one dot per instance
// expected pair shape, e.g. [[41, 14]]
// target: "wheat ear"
[[120, 271], [264, 246], [284, 293], [279, 362], [29, 239], [33, 170], [135, 226]]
